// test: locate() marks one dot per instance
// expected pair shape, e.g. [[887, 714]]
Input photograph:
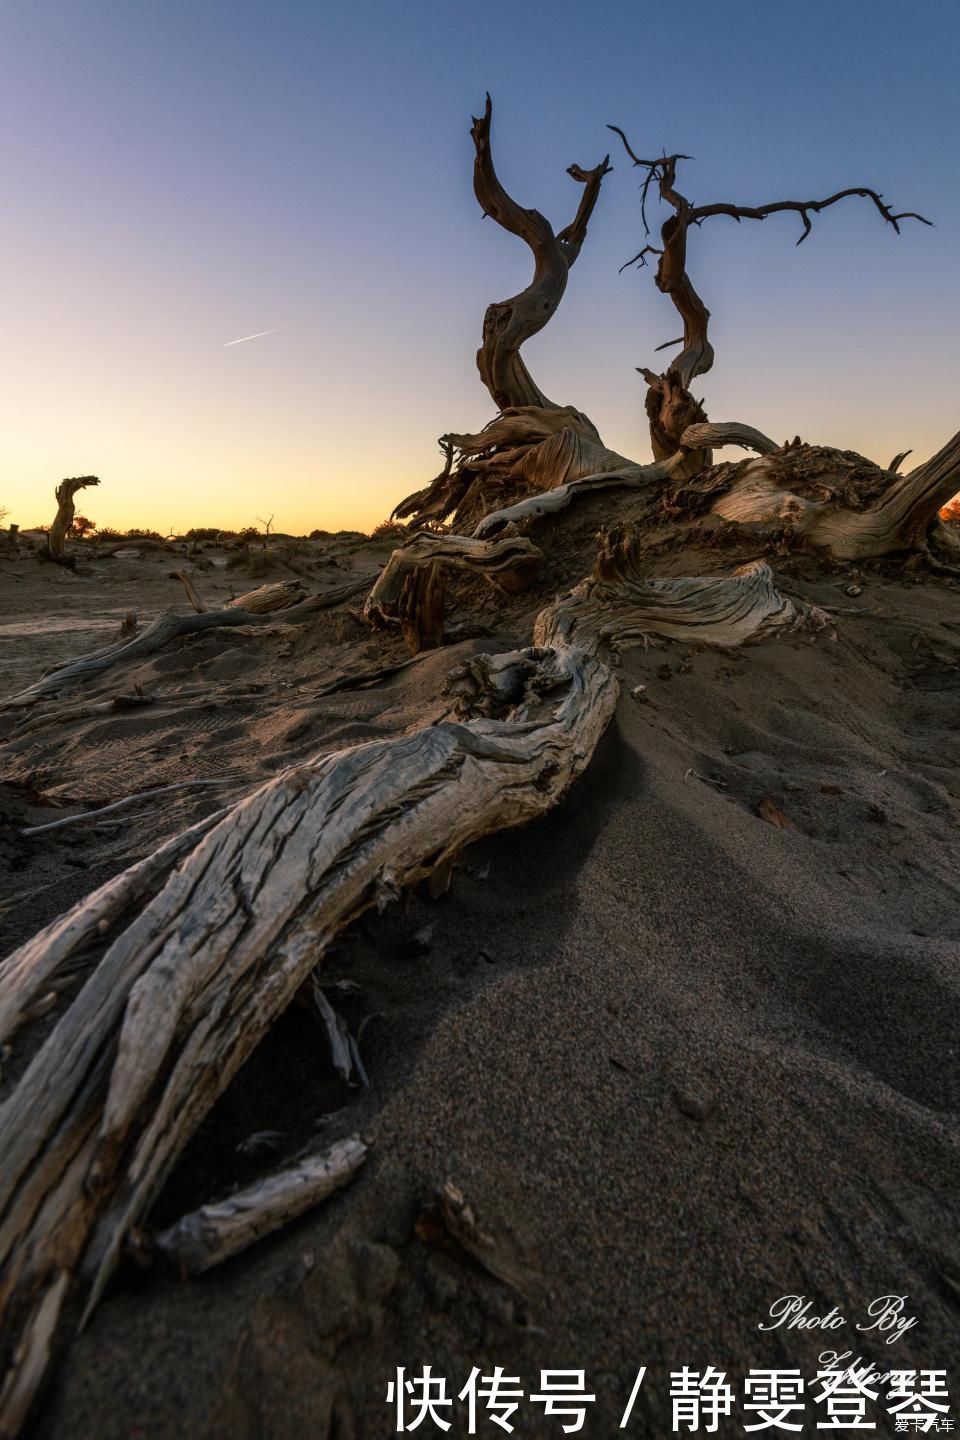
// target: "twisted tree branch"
[[508, 323]]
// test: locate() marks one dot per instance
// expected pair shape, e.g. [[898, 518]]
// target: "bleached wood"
[[898, 519], [619, 605], [169, 627], [31, 969], [551, 502], [233, 920], [216, 1232], [713, 435]]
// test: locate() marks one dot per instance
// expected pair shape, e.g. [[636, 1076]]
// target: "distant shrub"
[[81, 526], [136, 534], [108, 533], [388, 529], [951, 513], [210, 532], [319, 535]]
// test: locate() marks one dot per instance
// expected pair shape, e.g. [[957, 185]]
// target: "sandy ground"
[[683, 1061]]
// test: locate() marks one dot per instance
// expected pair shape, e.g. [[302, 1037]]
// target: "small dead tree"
[[63, 520], [670, 406]]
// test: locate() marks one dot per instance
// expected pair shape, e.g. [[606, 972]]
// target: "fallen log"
[[618, 606], [169, 627], [552, 501]]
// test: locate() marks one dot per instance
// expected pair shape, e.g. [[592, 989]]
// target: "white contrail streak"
[[244, 338]]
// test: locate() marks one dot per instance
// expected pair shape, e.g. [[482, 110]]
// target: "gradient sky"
[[179, 175]]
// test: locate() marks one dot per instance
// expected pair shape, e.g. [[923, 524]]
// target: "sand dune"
[[682, 1059]]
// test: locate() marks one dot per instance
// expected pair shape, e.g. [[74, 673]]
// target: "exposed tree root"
[[169, 627], [619, 606], [510, 564]]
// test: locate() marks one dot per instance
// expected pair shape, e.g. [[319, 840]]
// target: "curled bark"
[[508, 323]]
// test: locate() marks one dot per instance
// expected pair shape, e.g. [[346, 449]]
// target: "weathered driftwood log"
[[279, 595], [66, 509], [841, 502], [618, 605], [709, 435], [509, 564], [212, 1234], [233, 920], [169, 627], [43, 962], [549, 502], [508, 323]]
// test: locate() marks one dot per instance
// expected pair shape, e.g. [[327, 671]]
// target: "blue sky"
[[179, 175]]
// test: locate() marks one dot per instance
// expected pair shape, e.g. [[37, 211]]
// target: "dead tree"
[[63, 519], [534, 458], [670, 406], [508, 323], [158, 986]]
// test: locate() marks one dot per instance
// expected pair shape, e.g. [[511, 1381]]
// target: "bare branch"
[[802, 207]]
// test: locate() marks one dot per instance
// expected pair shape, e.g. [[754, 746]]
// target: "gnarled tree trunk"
[[66, 509], [508, 323]]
